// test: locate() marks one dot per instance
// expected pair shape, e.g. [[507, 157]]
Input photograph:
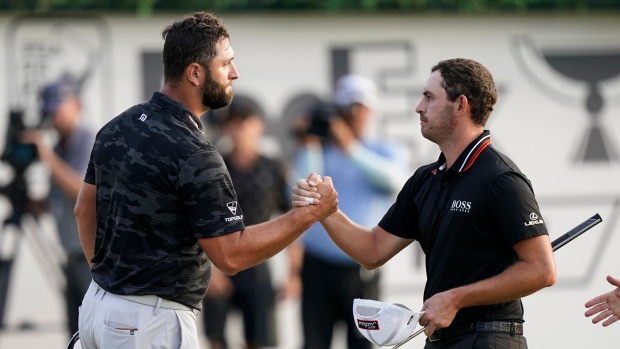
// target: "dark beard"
[[214, 95], [443, 131]]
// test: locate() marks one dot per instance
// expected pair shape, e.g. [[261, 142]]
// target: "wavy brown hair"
[[191, 39], [469, 78]]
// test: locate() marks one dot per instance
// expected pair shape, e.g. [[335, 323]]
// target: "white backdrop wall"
[[547, 68]]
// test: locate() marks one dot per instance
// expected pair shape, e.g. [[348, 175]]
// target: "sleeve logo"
[[533, 220], [232, 206]]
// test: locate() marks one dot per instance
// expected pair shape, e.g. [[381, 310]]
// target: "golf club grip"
[[576, 231]]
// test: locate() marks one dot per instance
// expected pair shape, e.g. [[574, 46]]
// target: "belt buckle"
[[434, 337]]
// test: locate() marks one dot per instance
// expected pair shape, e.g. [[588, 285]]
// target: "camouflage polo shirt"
[[160, 186]]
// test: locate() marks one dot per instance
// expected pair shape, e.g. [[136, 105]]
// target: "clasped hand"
[[316, 190]]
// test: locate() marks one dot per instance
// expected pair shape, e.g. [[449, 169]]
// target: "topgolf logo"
[[232, 206]]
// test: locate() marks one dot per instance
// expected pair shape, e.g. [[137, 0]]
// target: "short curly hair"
[[467, 77], [191, 39]]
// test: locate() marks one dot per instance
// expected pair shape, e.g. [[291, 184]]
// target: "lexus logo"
[[533, 216]]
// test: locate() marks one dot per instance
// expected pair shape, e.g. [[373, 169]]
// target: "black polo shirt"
[[467, 218], [160, 186]]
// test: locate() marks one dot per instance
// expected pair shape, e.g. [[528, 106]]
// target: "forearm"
[[257, 243], [87, 239], [356, 241], [386, 174], [519, 280], [362, 244], [85, 213], [533, 270], [69, 180]]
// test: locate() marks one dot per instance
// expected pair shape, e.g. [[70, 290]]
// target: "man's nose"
[[234, 73]]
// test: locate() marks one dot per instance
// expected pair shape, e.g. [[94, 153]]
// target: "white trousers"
[[108, 321]]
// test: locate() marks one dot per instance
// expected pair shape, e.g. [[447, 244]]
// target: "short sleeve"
[[206, 191], [401, 218], [515, 209]]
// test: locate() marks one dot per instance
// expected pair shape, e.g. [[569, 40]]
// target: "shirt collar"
[[469, 155], [177, 109]]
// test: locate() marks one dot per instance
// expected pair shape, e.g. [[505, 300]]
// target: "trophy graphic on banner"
[[583, 66]]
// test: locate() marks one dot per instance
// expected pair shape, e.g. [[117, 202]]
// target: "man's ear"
[[194, 74], [462, 104]]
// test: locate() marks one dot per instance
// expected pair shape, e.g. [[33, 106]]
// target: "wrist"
[[457, 297], [46, 156], [327, 219]]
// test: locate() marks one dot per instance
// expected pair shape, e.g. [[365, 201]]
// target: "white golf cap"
[[384, 323], [354, 88]]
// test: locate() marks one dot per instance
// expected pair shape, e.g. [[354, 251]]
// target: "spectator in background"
[[368, 173], [262, 191], [607, 305], [67, 161]]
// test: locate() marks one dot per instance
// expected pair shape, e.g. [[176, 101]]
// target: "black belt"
[[478, 326]]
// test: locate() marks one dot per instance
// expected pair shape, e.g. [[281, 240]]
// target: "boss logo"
[[461, 206], [368, 324]]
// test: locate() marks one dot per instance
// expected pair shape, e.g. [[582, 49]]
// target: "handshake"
[[318, 192]]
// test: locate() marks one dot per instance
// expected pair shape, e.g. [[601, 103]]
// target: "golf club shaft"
[[576, 231]]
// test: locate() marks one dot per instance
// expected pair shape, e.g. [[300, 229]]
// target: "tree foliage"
[[147, 7]]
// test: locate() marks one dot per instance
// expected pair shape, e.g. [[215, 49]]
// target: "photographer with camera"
[[368, 173], [67, 161]]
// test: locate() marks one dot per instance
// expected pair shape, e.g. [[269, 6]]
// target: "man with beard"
[[157, 208], [474, 214]]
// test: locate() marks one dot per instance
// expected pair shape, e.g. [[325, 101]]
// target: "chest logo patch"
[[460, 206]]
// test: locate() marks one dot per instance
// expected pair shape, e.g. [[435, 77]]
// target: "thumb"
[[328, 181], [428, 330], [613, 281]]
